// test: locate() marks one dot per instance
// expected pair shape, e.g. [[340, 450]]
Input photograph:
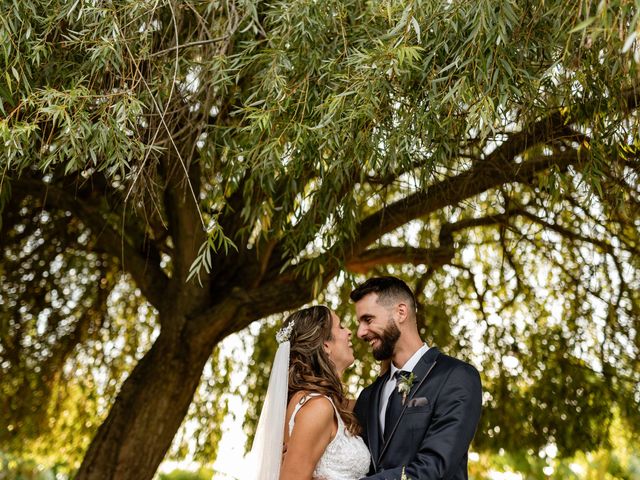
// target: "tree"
[[231, 158]]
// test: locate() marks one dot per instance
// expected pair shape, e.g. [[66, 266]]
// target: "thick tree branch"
[[483, 176], [249, 305], [496, 169], [448, 229], [184, 221], [432, 257], [225, 267]]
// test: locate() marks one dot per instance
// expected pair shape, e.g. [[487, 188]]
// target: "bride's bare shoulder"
[[315, 415], [309, 404], [297, 397], [305, 398]]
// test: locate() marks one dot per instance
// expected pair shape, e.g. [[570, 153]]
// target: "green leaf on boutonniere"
[[404, 385]]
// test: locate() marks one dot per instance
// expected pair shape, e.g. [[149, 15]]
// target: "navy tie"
[[394, 405]]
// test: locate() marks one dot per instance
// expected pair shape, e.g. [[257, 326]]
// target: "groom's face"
[[376, 326]]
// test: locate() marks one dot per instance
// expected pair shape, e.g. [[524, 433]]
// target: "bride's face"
[[339, 347]]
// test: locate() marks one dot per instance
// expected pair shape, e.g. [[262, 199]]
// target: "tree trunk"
[[151, 405]]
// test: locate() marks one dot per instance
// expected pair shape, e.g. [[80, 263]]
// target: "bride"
[[307, 429]]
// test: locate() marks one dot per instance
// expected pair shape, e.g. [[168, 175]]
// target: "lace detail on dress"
[[345, 458]]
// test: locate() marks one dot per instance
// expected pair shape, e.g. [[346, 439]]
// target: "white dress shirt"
[[391, 383]]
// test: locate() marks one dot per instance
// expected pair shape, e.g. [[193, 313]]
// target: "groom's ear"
[[403, 312]]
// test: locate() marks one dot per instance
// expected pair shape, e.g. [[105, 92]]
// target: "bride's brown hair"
[[310, 368]]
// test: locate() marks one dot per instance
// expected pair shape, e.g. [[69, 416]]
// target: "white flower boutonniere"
[[404, 385]]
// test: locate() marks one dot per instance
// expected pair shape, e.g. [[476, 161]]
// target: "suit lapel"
[[373, 421], [421, 371]]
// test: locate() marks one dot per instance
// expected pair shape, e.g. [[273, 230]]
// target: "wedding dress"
[[345, 458]]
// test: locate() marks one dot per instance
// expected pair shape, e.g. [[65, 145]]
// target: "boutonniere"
[[404, 385]]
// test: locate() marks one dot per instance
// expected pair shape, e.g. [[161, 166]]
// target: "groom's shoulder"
[[457, 371], [452, 363], [378, 379]]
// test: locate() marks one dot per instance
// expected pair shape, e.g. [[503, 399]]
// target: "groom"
[[420, 416]]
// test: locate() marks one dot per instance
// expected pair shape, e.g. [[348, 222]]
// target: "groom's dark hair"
[[388, 289]]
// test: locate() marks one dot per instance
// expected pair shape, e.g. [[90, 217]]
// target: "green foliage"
[[16, 468], [621, 460], [216, 241], [201, 474]]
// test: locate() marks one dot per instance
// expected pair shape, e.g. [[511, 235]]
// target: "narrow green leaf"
[[583, 25]]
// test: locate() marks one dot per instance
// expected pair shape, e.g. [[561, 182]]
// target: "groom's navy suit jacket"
[[430, 434]]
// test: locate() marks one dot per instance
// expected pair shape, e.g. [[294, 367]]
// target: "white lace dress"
[[345, 458]]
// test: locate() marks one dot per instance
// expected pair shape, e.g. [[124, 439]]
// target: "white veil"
[[266, 452]]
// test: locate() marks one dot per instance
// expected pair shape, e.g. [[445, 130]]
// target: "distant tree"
[[231, 158]]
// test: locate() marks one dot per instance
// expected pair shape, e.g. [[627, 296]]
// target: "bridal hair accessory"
[[284, 334], [266, 452]]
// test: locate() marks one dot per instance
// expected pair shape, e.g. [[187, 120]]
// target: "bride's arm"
[[312, 432]]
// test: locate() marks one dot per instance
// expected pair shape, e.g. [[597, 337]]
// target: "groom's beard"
[[388, 340]]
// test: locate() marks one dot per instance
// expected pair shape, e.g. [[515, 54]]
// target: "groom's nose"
[[362, 330]]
